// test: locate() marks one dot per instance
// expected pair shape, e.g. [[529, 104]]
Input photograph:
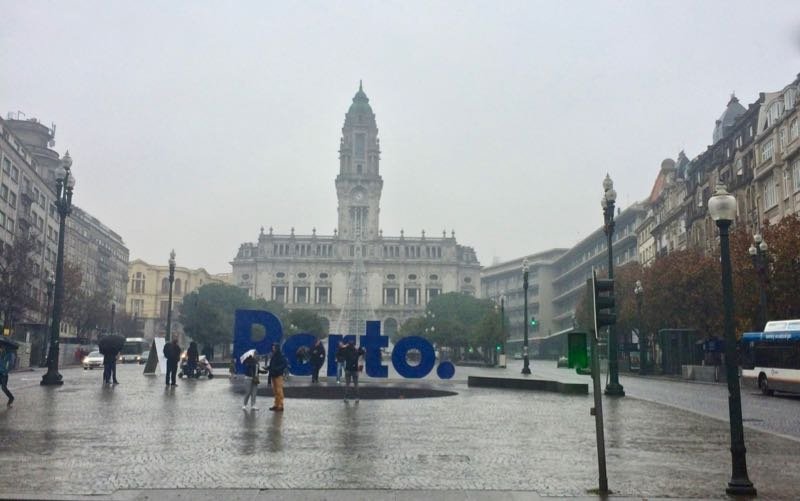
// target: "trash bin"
[[501, 360]]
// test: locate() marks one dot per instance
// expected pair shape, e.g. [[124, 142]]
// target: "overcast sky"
[[192, 124]]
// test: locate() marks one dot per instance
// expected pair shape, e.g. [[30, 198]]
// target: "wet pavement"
[[87, 439]]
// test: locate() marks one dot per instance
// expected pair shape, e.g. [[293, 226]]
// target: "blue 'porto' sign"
[[372, 342]]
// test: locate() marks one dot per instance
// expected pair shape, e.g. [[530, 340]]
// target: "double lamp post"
[[758, 252], [607, 202]]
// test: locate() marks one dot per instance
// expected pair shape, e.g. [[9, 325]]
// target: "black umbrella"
[[111, 344], [11, 345]]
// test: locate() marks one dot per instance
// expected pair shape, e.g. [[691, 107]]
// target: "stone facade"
[[148, 295], [357, 273]]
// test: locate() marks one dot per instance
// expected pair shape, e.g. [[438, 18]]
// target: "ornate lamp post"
[[49, 282], [525, 361], [638, 291], [169, 304], [65, 183], [722, 208], [758, 251], [607, 202]]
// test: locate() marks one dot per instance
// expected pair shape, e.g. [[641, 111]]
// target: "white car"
[[92, 360]]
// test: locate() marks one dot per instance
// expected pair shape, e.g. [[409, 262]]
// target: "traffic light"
[[498, 347], [534, 322], [577, 354], [603, 289]]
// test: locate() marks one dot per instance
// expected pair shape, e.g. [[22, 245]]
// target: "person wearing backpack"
[[7, 358]]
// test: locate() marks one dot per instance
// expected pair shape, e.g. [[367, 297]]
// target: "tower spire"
[[360, 88]]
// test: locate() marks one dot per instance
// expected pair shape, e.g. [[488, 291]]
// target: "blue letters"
[[372, 342]]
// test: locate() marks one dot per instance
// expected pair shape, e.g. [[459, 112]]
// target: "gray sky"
[[192, 124]]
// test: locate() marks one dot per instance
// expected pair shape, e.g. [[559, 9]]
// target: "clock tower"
[[359, 184]]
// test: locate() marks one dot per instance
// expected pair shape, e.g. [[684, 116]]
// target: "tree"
[[456, 319], [16, 273], [304, 321], [413, 327], [207, 314]]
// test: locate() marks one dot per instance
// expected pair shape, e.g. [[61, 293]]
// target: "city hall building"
[[358, 273]]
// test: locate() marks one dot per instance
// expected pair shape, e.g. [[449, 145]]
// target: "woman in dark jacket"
[[277, 367], [192, 358], [317, 360]]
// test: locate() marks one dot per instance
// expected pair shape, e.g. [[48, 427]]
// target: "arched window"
[[164, 285], [137, 284], [177, 286]]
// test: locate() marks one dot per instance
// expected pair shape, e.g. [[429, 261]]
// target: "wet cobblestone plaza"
[[88, 439]]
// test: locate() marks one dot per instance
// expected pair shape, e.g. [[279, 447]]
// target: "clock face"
[[358, 196]]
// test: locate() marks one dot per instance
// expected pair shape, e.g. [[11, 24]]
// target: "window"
[[2, 219], [789, 98], [361, 145], [412, 296], [280, 274], [766, 151], [177, 286], [794, 130], [12, 199], [782, 139], [796, 174], [137, 286], [391, 276], [6, 165], [323, 295], [433, 277], [390, 295], [14, 173], [137, 307], [412, 277], [165, 285], [323, 276], [279, 293], [301, 295], [302, 275], [432, 293], [770, 197], [4, 191], [164, 309]]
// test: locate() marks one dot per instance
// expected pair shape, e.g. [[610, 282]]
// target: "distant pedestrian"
[[7, 358], [277, 368], [317, 360], [351, 367], [109, 353], [340, 362], [252, 370], [192, 359], [172, 352]]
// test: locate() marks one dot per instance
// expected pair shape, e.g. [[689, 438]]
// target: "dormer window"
[[359, 169]]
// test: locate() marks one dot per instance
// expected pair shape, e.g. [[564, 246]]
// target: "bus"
[[771, 359], [133, 349]]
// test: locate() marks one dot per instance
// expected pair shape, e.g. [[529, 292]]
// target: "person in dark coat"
[[340, 362], [109, 363], [276, 368], [172, 352], [351, 355], [7, 357], [317, 360], [192, 359]]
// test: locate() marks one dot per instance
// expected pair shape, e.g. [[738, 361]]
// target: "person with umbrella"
[[8, 354], [172, 352], [351, 367], [277, 367], [252, 370], [110, 346]]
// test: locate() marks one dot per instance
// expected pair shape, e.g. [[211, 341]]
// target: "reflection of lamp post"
[[113, 310], [169, 304], [609, 197], [503, 324], [638, 291], [758, 251], [525, 361], [722, 207], [64, 186], [49, 282]]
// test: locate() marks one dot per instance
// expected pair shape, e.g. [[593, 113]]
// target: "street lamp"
[[758, 251], [525, 361], [607, 202], [638, 291], [722, 207], [113, 310], [49, 282], [65, 183], [503, 324], [169, 304]]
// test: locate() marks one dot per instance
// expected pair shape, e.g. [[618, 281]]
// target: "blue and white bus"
[[771, 359]]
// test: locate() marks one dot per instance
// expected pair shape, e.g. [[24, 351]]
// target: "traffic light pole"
[[598, 418]]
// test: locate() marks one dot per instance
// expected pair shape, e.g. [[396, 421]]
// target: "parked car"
[[562, 362], [144, 357], [92, 360], [518, 356]]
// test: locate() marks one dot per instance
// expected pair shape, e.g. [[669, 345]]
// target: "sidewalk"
[[141, 440]]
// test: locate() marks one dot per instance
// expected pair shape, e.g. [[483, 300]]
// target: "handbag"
[[256, 380]]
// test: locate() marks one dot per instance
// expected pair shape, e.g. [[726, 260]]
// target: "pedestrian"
[[109, 353], [351, 367], [192, 359], [277, 367], [317, 360], [340, 362], [7, 358], [172, 352], [252, 370]]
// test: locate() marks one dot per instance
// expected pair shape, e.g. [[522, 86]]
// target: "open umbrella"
[[247, 354], [111, 344], [9, 344]]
